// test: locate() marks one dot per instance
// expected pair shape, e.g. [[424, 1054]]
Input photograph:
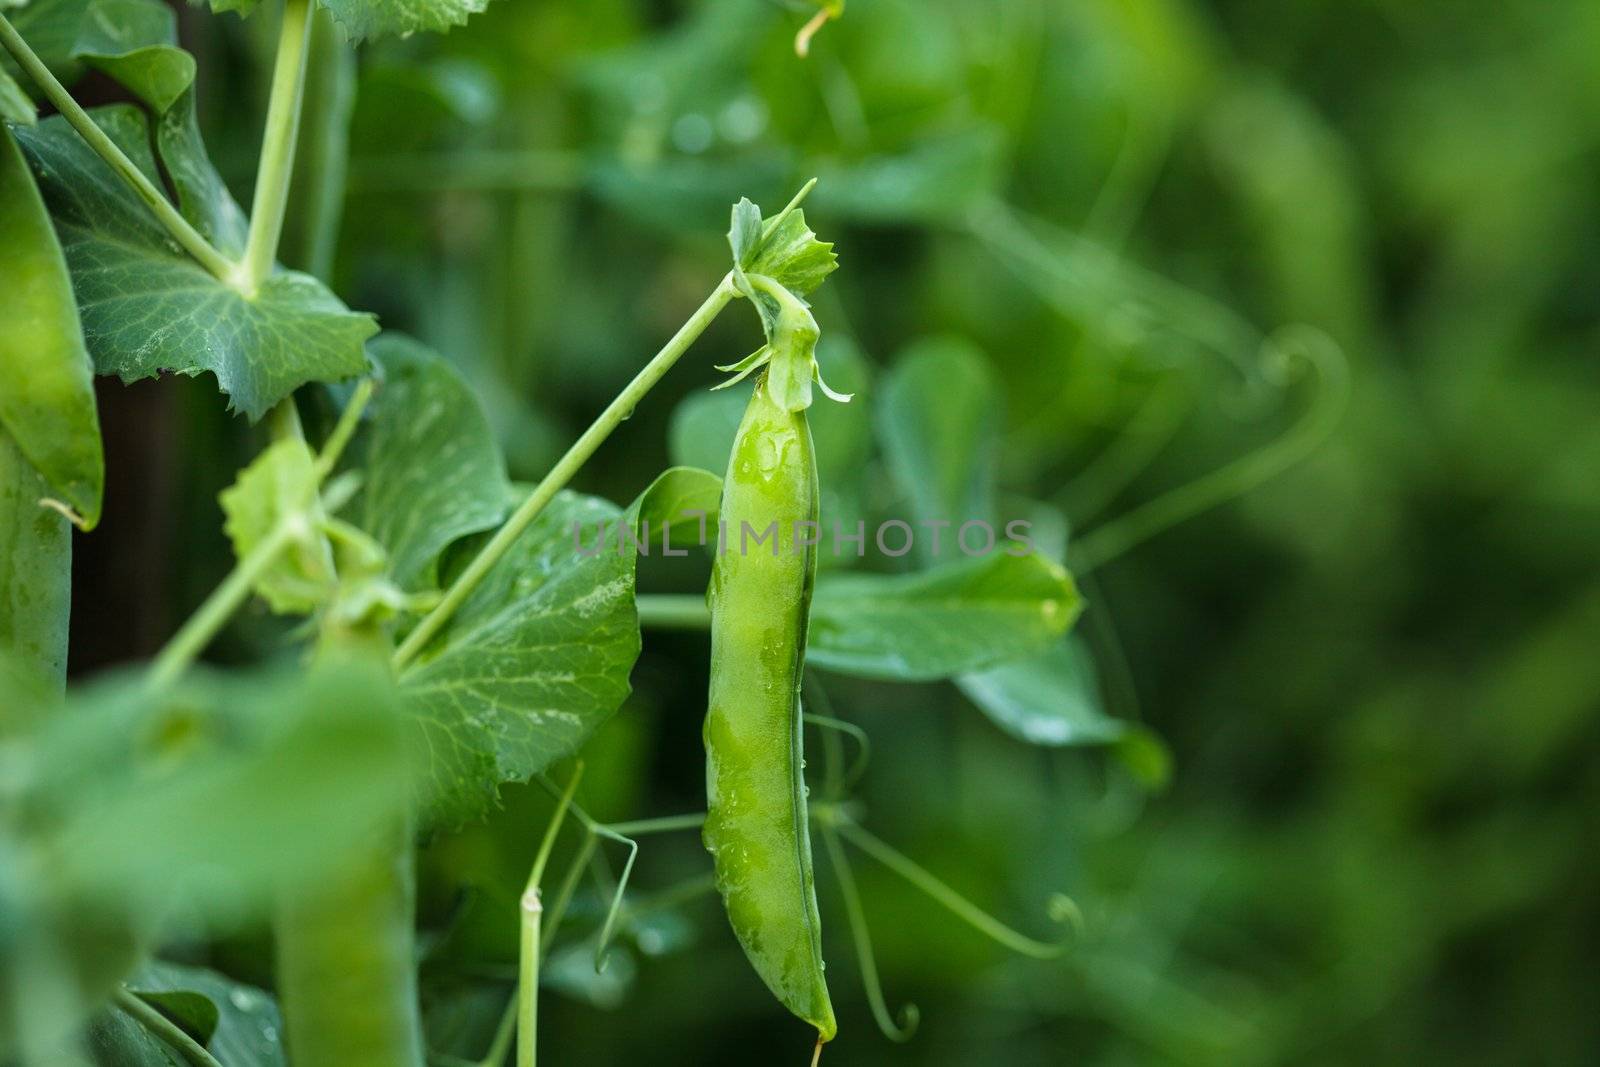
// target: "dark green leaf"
[[135, 42], [51, 28], [148, 308], [433, 473], [46, 384], [962, 616], [537, 657], [239, 1024], [114, 1039]]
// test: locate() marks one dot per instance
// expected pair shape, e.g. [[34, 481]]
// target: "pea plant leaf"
[[363, 19], [15, 105], [961, 616], [147, 308], [433, 472], [680, 507], [1053, 699], [135, 43], [237, 1023], [939, 420], [35, 583], [47, 400], [51, 28], [536, 658], [280, 486], [791, 255], [153, 803]]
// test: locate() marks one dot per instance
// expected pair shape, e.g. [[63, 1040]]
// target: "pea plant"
[[454, 632]]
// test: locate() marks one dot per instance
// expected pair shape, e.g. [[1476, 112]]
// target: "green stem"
[[169, 217], [164, 1028], [276, 166], [1107, 542], [665, 825], [212, 615], [344, 429], [532, 912], [322, 156], [218, 608], [563, 472], [674, 612]]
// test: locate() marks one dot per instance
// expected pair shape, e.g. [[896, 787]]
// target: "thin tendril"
[[910, 1017], [1325, 358], [1061, 909], [864, 745]]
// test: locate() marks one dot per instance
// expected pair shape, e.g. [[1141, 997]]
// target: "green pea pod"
[[46, 381], [346, 965], [756, 827]]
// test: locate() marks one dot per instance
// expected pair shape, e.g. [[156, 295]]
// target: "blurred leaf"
[[238, 1024], [15, 105], [962, 616], [930, 183], [1053, 699], [939, 419], [280, 488], [47, 402], [433, 473], [35, 584], [131, 808], [537, 657], [148, 308]]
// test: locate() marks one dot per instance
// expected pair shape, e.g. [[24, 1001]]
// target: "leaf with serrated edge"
[[794, 257], [536, 658], [279, 484], [148, 308], [363, 19], [433, 472], [963, 616]]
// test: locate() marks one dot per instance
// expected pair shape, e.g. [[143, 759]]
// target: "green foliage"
[[148, 308], [46, 399], [237, 1023], [432, 470], [534, 660]]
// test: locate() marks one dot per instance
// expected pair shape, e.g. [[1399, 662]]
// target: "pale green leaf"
[[280, 487], [148, 308], [433, 472], [683, 502], [362, 19], [536, 658], [793, 256], [745, 233], [47, 399], [135, 43], [962, 616]]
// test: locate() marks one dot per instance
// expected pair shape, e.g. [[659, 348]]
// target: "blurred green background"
[[1377, 673]]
